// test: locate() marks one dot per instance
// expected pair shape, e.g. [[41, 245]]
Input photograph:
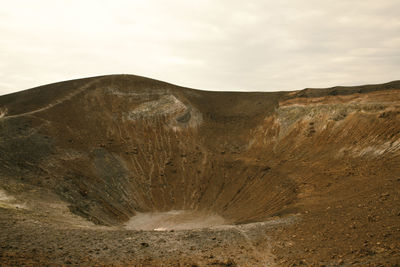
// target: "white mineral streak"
[[175, 111], [165, 105], [3, 112]]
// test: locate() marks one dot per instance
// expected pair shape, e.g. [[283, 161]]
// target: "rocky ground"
[[32, 238]]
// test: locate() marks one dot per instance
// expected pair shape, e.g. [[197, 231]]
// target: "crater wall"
[[115, 146]]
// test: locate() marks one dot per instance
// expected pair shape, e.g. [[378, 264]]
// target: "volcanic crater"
[[271, 175]]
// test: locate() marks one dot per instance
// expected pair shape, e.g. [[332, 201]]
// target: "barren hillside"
[[90, 167]]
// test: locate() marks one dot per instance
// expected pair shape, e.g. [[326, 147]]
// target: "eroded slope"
[[115, 146]]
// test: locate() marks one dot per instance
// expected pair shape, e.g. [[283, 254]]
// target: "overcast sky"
[[252, 45]]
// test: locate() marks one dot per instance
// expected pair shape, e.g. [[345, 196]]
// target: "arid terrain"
[[123, 170]]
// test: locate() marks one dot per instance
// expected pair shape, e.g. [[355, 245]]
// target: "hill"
[[309, 176]]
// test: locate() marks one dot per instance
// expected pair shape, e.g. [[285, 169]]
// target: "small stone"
[[266, 168], [144, 244]]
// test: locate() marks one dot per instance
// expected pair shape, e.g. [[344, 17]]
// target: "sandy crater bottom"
[[174, 220]]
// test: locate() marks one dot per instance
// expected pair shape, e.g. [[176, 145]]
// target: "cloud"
[[219, 45]]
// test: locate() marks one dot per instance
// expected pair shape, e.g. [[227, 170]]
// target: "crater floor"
[[173, 220]]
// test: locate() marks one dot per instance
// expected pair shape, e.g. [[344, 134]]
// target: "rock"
[[144, 245], [266, 168]]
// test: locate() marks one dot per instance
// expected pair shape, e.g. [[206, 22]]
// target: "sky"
[[227, 45]]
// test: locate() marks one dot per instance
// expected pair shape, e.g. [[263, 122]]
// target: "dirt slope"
[[80, 158]]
